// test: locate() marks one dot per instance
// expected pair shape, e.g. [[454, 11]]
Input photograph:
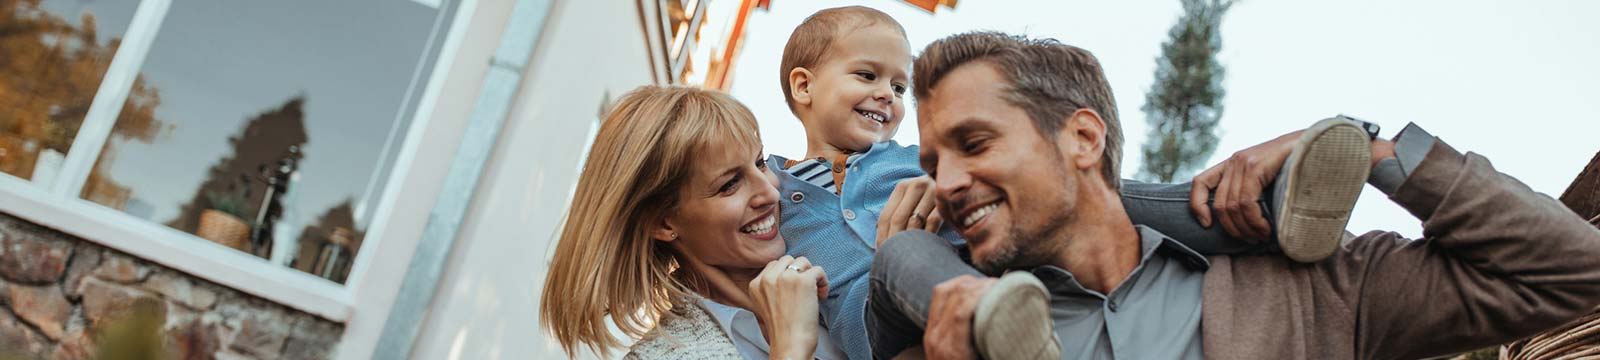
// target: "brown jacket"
[[1498, 262]]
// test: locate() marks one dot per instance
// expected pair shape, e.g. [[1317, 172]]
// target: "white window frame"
[[394, 231]]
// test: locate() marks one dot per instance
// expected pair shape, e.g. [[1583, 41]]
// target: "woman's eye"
[[728, 186]]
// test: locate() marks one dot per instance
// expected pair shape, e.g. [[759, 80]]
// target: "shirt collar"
[[739, 324], [1151, 242]]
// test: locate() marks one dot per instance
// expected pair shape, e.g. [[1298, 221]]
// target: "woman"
[[673, 235]]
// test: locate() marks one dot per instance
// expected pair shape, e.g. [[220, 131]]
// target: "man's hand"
[[910, 206], [1238, 182], [949, 331]]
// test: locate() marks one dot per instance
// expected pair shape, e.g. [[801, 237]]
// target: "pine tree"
[[1184, 104]]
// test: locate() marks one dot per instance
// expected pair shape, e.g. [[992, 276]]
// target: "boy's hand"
[[1238, 182], [910, 206]]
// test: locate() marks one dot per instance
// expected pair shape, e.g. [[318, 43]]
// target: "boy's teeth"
[[762, 227], [979, 214], [872, 115]]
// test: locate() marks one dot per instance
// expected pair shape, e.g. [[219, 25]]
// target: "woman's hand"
[[786, 296], [910, 206]]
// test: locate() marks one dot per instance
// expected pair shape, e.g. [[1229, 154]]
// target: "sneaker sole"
[[1012, 320], [1330, 169]]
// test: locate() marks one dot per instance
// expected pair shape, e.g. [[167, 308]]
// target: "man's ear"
[[664, 231], [800, 86], [1088, 133]]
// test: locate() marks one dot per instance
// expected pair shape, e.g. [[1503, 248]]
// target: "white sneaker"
[[1324, 177], [1012, 320]]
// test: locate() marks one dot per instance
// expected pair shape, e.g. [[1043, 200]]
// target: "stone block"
[[181, 290], [43, 306], [29, 255], [312, 338], [20, 340], [85, 259], [104, 300], [122, 269], [260, 332]]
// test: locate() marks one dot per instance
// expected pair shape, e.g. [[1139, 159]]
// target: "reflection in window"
[[281, 123], [53, 54]]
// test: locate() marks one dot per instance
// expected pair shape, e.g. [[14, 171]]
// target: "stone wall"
[[59, 293]]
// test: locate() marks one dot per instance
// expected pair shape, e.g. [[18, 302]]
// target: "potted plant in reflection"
[[224, 222]]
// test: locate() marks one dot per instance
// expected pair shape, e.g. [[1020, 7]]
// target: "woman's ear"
[[800, 86], [663, 231]]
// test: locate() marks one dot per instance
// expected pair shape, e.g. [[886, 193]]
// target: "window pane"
[[279, 121], [53, 54]]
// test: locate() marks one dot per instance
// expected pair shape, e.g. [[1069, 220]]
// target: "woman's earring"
[[674, 236]]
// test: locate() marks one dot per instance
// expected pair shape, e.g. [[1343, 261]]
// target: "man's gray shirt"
[[1153, 314]]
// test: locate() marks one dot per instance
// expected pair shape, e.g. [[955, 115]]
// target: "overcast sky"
[[1514, 81]]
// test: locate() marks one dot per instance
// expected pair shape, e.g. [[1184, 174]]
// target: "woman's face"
[[727, 214]]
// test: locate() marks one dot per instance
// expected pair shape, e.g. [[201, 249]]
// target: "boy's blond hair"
[[606, 265], [808, 45]]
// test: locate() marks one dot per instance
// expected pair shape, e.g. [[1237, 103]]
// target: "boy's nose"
[[884, 94]]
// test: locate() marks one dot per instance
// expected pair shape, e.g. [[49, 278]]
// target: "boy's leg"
[[1325, 173], [1013, 317], [1165, 207], [905, 270]]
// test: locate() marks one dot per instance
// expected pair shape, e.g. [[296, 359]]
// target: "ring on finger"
[[918, 217], [796, 268]]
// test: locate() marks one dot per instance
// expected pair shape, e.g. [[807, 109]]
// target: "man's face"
[[1004, 186]]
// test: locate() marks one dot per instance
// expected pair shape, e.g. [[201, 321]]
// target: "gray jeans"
[[908, 266]]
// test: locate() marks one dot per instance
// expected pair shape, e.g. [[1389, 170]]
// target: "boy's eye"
[[899, 89]]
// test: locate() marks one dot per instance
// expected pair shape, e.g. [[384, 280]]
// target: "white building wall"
[[486, 306]]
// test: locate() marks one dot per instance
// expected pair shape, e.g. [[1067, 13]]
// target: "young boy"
[[845, 76]]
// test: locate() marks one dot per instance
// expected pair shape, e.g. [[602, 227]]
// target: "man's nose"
[[952, 179]]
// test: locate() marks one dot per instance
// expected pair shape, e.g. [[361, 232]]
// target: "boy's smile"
[[857, 94]]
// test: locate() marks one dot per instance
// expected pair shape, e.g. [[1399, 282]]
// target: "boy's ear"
[[800, 86], [1087, 132]]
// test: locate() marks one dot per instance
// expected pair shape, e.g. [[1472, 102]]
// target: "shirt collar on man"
[[1151, 242]]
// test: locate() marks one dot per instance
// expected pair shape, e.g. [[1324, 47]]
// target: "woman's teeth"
[[873, 116], [761, 227], [979, 214]]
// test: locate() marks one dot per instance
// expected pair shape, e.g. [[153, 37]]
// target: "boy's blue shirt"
[[839, 232]]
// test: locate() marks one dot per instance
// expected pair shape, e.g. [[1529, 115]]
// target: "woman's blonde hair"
[[606, 263]]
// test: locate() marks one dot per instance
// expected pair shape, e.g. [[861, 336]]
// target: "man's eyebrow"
[[966, 127]]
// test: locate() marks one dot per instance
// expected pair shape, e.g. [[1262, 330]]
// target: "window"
[[268, 128], [56, 53]]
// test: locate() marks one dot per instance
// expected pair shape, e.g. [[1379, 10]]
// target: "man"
[[1015, 134]]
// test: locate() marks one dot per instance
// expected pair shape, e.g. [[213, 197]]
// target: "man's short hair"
[[1047, 79], [808, 45]]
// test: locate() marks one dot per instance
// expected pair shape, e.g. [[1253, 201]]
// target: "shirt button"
[[849, 215], [838, 168], [797, 197], [1112, 305]]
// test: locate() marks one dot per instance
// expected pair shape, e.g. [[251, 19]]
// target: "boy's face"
[[856, 94]]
